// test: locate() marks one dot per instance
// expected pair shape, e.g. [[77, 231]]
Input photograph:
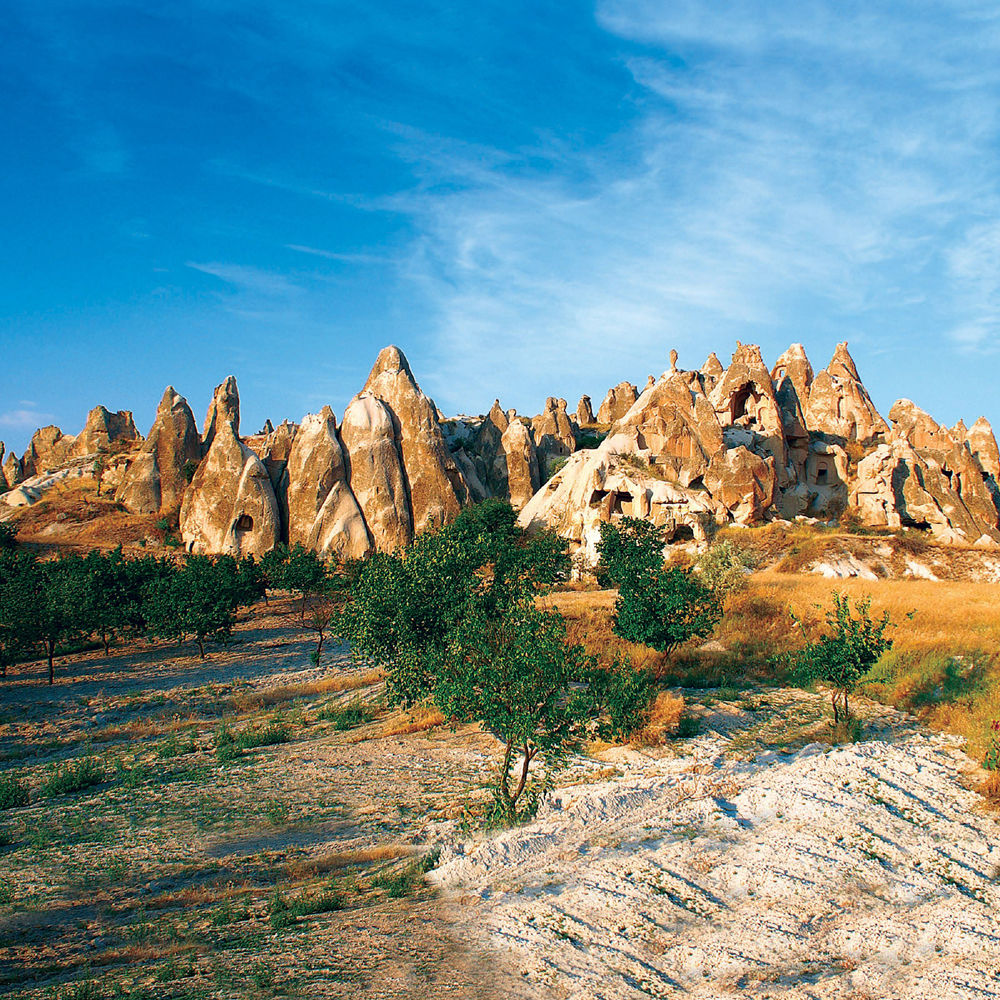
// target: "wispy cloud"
[[795, 168], [347, 258], [24, 419]]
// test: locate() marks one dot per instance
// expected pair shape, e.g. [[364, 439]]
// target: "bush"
[[270, 735], [344, 717], [226, 748], [724, 568], [13, 793], [841, 657], [657, 607], [74, 778]]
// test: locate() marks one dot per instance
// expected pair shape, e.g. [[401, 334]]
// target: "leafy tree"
[[59, 590], [453, 618], [199, 600], [844, 654], [517, 675], [98, 469], [657, 607], [8, 536], [17, 590]]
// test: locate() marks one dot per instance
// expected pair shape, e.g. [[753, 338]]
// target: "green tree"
[[17, 590], [845, 653], [453, 619], [517, 675], [199, 600], [724, 568], [59, 590], [658, 607]]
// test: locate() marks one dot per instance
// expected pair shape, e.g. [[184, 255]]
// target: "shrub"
[[841, 657], [991, 761], [663, 718], [724, 568], [658, 607], [270, 735], [346, 716], [74, 778], [13, 793]]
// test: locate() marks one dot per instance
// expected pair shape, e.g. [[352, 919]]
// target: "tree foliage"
[[846, 652], [453, 619], [658, 607]]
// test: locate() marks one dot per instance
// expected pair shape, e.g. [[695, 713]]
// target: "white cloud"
[[25, 418], [795, 168]]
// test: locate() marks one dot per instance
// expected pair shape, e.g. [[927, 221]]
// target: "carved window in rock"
[[683, 533], [822, 474], [743, 408], [244, 523]]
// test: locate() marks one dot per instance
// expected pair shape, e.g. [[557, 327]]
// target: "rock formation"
[[617, 403], [103, 432], [375, 472], [155, 480], [839, 406], [584, 411], [13, 473], [983, 446], [517, 452], [4, 485], [435, 485], [553, 435], [230, 506], [323, 513]]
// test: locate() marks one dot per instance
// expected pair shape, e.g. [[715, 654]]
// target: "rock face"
[[323, 513], [617, 403], [553, 434], [50, 448], [13, 473], [375, 472], [230, 506], [435, 485], [584, 411], [155, 480], [4, 485], [839, 406], [517, 452], [983, 446]]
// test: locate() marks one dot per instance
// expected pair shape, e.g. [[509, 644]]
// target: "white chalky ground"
[[861, 871]]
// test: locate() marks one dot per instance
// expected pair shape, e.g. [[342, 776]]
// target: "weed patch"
[[72, 778], [13, 793]]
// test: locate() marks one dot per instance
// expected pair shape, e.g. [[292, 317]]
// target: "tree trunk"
[[201, 647], [107, 643], [836, 714], [50, 652], [528, 757]]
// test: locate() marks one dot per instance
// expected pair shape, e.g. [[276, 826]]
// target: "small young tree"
[[657, 607], [724, 568], [98, 469], [842, 656], [518, 676], [59, 591]]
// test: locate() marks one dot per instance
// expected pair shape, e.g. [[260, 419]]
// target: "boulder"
[[617, 403], [46, 450], [375, 472], [792, 376], [478, 490], [839, 406], [584, 411], [155, 480], [230, 507], [744, 483], [435, 485], [323, 513]]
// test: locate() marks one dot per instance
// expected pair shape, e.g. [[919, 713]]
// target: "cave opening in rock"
[[683, 533], [743, 408], [244, 523], [822, 474]]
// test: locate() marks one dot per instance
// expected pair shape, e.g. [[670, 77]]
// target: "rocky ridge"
[[694, 450]]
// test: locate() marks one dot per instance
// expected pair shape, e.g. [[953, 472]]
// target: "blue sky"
[[530, 198]]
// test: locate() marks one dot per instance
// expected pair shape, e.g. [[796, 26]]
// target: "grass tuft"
[[74, 778]]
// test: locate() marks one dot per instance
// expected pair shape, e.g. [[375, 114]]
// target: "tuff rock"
[[155, 479], [230, 505]]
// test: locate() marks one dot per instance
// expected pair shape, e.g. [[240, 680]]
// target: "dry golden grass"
[[416, 720], [664, 718], [256, 700], [348, 859], [944, 666], [990, 789]]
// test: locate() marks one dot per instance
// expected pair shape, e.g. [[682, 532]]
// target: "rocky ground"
[[748, 855]]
